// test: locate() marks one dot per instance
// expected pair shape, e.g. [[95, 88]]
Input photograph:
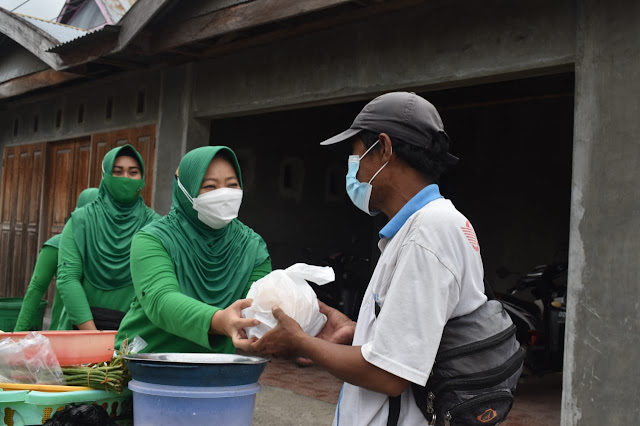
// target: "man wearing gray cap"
[[430, 269]]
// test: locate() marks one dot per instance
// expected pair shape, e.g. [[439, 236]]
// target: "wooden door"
[[67, 172], [28, 217], [22, 173]]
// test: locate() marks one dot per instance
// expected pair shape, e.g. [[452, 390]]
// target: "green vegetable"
[[111, 376]]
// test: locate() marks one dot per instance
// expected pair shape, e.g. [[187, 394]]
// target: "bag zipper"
[[493, 341], [479, 400], [484, 378]]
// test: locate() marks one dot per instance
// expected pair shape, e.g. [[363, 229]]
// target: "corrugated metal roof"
[[117, 8], [62, 33], [106, 32]]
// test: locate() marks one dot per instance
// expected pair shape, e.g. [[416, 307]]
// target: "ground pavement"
[[297, 396]]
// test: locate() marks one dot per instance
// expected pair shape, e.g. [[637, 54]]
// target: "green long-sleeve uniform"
[[43, 272], [166, 319], [77, 292]]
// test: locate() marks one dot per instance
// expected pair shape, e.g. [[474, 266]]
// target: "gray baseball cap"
[[402, 115]]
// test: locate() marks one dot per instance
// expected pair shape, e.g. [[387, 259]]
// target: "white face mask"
[[216, 208]]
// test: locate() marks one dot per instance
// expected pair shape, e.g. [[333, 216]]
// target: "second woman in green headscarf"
[[94, 276], [191, 267]]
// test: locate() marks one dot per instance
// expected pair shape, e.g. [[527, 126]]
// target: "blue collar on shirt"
[[421, 199]]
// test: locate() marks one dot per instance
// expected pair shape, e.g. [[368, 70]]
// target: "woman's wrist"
[[217, 320]]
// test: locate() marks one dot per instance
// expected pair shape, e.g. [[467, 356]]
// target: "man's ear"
[[386, 149]]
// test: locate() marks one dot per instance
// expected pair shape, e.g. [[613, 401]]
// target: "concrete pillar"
[[603, 328], [178, 130]]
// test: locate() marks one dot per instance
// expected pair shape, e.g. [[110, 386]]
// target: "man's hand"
[[283, 340], [339, 327], [229, 322]]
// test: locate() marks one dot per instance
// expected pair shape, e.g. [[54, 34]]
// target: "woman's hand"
[[87, 325], [229, 322]]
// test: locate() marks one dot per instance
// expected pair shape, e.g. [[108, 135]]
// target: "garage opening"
[[513, 182]]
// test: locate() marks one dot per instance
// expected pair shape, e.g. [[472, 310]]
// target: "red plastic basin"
[[75, 347]]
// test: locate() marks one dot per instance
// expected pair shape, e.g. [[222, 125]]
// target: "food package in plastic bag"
[[289, 290], [30, 360]]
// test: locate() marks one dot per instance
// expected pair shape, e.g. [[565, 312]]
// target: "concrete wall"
[[17, 61], [424, 46], [93, 96], [603, 343], [178, 130]]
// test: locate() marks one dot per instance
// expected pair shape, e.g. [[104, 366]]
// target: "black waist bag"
[[476, 370], [107, 319]]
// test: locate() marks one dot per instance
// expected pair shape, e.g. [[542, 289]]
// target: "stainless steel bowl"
[[195, 369]]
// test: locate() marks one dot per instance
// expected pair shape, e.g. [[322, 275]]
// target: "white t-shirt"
[[429, 272]]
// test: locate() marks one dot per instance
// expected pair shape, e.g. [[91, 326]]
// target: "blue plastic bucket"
[[157, 405]]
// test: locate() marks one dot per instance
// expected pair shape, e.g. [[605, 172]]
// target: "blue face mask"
[[360, 192]]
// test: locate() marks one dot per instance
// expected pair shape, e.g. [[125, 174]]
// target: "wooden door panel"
[[9, 170], [19, 226], [33, 216], [9, 181], [121, 137], [100, 145], [143, 139], [60, 196], [35, 191], [82, 167], [21, 189], [5, 269]]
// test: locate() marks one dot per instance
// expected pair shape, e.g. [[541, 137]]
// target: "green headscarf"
[[104, 228], [85, 197], [212, 265]]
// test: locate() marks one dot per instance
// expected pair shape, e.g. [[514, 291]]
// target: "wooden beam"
[[30, 37], [140, 14], [232, 19], [25, 84], [328, 22]]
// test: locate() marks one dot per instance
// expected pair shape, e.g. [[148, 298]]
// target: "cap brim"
[[341, 137]]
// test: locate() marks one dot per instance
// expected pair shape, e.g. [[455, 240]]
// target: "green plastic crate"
[[9, 402], [19, 408]]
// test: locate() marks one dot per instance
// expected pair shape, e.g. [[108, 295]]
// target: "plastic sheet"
[[30, 360], [289, 290], [87, 415]]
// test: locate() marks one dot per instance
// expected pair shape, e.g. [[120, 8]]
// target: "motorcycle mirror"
[[502, 272]]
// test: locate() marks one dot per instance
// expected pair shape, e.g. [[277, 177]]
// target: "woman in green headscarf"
[[191, 267], [46, 265], [94, 277]]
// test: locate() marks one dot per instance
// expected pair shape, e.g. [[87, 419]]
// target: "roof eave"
[[107, 32], [31, 38]]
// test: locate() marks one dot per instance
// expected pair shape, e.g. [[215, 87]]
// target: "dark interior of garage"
[[514, 139]]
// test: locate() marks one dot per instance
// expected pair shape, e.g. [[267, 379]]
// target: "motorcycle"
[[540, 323]]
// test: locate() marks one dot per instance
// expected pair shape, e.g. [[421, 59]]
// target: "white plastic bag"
[[288, 290], [29, 360]]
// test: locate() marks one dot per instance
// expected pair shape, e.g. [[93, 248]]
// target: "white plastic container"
[[159, 405]]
